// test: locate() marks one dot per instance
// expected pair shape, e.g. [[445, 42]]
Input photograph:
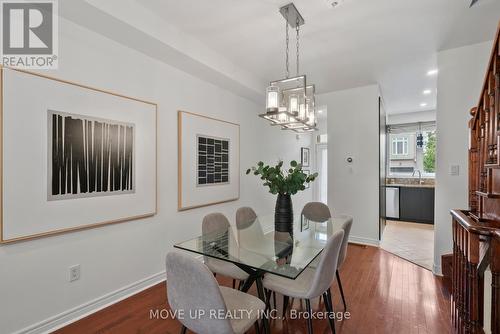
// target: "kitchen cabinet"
[[416, 204]]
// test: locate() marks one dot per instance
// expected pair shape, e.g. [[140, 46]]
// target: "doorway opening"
[[321, 153], [409, 187], [322, 160]]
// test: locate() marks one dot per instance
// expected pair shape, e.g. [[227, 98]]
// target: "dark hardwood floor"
[[385, 294]]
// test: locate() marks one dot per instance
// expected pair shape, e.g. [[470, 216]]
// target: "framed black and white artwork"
[[208, 164], [76, 156], [89, 156], [304, 156], [213, 160]]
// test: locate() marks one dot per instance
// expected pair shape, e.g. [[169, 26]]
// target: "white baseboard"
[[65, 318], [364, 241]]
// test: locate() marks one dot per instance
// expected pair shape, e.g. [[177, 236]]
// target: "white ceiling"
[[361, 42], [239, 44]]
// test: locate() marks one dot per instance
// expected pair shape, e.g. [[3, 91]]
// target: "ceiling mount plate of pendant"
[[292, 15], [290, 102]]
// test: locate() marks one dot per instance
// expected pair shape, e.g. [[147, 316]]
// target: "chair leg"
[[285, 304], [257, 327], [268, 299], [240, 285], [330, 300], [309, 319], [234, 283], [274, 299], [341, 290], [183, 329], [329, 310]]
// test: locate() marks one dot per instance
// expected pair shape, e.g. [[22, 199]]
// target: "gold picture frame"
[[180, 204], [87, 226]]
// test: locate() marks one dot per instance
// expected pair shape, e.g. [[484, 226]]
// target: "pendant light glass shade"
[[310, 105], [306, 118], [272, 96], [293, 104], [297, 111], [302, 111], [287, 94]]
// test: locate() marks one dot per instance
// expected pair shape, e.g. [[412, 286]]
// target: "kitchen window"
[[399, 145]]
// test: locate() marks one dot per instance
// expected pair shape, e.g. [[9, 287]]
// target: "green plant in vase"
[[283, 183]]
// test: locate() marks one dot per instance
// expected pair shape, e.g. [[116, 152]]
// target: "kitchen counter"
[[400, 185]]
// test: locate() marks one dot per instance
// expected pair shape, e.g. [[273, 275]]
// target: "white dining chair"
[[316, 211], [245, 221], [346, 227], [245, 216], [319, 212], [194, 291], [312, 283], [218, 222]]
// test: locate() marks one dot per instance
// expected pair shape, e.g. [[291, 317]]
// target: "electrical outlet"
[[74, 273]]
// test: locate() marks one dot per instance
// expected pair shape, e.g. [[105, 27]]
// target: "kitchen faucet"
[[419, 175]]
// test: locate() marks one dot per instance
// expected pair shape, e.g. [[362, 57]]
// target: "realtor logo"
[[29, 34]]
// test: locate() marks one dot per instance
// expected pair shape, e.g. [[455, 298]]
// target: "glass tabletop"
[[256, 244]]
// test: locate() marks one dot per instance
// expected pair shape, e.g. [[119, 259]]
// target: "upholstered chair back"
[[244, 217], [325, 272], [192, 289], [316, 211], [214, 222], [346, 226]]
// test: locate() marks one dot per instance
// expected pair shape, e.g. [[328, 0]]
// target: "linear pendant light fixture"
[[290, 102]]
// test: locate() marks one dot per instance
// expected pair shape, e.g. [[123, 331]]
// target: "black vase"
[[283, 214]]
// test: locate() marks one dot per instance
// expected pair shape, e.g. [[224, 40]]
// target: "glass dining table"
[[258, 248]]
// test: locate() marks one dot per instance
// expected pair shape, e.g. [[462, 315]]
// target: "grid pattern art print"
[[213, 160]]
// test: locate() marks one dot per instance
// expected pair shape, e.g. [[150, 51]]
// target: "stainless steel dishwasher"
[[392, 202]]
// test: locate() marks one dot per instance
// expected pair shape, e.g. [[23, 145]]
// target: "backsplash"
[[409, 180]]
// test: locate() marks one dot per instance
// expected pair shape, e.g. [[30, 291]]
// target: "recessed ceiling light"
[[423, 104], [320, 111], [432, 72], [336, 3], [427, 92]]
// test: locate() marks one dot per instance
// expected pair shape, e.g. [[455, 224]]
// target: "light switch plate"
[[454, 170]]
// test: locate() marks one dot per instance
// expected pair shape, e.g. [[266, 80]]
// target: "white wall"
[[34, 274], [412, 117], [461, 74], [353, 131]]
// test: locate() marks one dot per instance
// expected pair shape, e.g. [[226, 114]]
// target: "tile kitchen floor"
[[411, 241]]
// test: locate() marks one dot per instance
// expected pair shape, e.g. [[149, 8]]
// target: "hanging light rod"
[[292, 15], [290, 102]]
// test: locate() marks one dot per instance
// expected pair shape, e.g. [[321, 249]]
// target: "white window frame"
[[394, 145]]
